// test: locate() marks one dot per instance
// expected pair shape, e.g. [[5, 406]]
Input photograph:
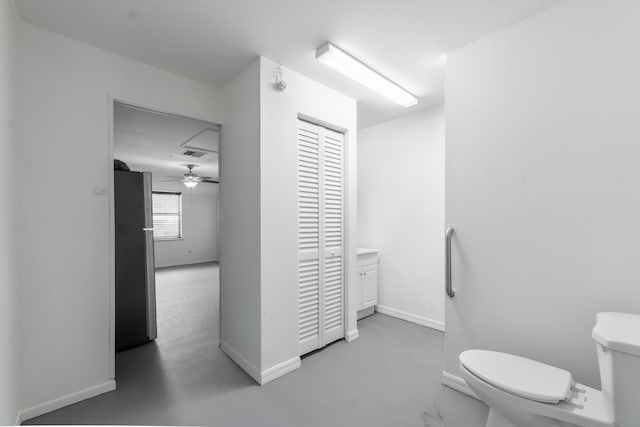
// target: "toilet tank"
[[617, 338]]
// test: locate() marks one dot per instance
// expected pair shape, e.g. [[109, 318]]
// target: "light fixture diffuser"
[[190, 179], [351, 67], [190, 183]]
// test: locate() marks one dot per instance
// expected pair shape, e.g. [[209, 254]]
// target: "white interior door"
[[332, 235], [320, 236], [308, 236]]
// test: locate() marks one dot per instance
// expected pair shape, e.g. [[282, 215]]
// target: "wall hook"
[[281, 85]]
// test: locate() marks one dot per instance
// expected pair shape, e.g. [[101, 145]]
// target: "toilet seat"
[[520, 376]]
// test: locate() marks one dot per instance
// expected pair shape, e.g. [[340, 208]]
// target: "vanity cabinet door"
[[369, 288]]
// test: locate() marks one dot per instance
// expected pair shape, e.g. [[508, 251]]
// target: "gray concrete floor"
[[390, 376]]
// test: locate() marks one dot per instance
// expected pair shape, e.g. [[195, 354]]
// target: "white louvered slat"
[[309, 298]]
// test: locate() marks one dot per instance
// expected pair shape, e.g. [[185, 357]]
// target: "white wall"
[[8, 285], [64, 252], [240, 219], [542, 183], [199, 241], [401, 213], [278, 201]]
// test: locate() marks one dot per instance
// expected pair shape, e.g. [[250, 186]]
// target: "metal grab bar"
[[447, 263]]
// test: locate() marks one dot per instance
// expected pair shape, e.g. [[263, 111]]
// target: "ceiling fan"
[[191, 179]]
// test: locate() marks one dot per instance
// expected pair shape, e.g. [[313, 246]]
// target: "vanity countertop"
[[365, 251]]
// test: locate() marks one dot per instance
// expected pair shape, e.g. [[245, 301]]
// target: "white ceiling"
[[212, 41], [151, 142]]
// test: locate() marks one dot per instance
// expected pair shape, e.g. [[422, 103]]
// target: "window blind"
[[167, 215]]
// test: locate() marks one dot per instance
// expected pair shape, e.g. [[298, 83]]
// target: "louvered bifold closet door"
[[320, 236], [332, 233], [308, 237]]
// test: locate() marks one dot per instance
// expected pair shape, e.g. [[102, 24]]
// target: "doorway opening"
[[165, 234]]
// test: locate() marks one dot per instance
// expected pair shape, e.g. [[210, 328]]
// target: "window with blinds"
[[167, 215]]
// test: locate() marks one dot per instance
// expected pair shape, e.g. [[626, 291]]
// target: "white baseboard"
[[352, 335], [261, 377], [279, 370], [413, 318], [69, 399], [458, 384], [246, 366], [366, 312]]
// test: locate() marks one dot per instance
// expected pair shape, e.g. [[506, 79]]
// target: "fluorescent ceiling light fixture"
[[341, 61]]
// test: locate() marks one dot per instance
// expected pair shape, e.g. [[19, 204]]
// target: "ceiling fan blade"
[[169, 180], [210, 181]]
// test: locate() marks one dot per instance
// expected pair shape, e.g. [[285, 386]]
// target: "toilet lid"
[[518, 375], [618, 331]]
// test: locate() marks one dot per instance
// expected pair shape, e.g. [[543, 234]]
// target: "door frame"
[[112, 100]]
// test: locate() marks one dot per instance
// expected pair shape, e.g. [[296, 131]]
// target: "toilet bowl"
[[521, 392]]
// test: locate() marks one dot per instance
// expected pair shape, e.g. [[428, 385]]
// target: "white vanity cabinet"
[[367, 284]]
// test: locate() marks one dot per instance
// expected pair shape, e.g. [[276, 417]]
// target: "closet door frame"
[[345, 226]]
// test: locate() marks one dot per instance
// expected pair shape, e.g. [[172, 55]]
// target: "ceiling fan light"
[[353, 68], [190, 179]]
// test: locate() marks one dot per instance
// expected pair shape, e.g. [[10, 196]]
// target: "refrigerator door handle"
[[152, 328]]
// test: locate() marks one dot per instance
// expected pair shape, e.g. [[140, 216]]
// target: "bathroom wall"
[[542, 183], [240, 213], [401, 213], [8, 279], [279, 113], [259, 213]]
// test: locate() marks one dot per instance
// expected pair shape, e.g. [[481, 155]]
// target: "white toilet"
[[524, 393]]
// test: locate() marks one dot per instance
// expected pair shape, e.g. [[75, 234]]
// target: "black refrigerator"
[[135, 299]]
